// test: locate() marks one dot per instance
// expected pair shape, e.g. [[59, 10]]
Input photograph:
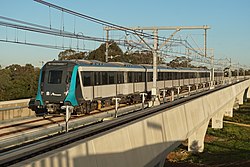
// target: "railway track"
[[28, 130], [27, 152], [22, 131]]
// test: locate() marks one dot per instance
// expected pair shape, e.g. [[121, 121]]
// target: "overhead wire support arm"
[[169, 38]]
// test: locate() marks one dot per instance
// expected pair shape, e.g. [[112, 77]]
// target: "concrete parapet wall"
[[15, 113], [145, 143]]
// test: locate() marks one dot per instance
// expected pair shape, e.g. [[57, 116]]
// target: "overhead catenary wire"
[[43, 45], [52, 31], [99, 21], [56, 32]]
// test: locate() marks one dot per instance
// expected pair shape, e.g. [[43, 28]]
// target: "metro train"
[[89, 84]]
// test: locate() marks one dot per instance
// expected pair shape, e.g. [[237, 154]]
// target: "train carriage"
[[84, 84]]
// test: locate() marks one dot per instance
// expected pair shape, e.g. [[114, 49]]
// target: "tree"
[[114, 51], [18, 82], [5, 84], [140, 57], [180, 62], [115, 54], [71, 54]]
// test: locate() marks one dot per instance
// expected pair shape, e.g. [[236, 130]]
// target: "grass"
[[229, 146]]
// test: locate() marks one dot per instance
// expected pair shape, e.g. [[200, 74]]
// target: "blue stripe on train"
[[39, 96], [71, 97]]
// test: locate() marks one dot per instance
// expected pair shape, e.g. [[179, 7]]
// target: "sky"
[[229, 21]]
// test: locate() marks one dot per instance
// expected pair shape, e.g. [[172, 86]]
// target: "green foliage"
[[114, 52], [231, 144], [143, 57], [180, 62], [70, 55], [18, 82]]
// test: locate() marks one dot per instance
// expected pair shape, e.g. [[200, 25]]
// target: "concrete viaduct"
[[146, 142]]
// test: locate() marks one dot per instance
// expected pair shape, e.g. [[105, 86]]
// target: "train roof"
[[96, 63]]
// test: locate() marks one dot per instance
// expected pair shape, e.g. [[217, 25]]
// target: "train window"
[[87, 78], [130, 77], [186, 76], [201, 75], [104, 78], [111, 77], [182, 75], [193, 74], [164, 76], [120, 77], [174, 75], [97, 78], [55, 77], [170, 76], [135, 77], [68, 78], [143, 76], [167, 76], [150, 76], [197, 75], [138, 77], [160, 76]]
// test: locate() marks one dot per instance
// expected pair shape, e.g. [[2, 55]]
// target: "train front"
[[56, 87]]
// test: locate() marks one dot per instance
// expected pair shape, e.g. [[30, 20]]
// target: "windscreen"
[[55, 77]]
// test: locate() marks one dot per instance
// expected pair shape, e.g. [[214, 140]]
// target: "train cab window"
[[55, 77], [68, 78], [87, 78]]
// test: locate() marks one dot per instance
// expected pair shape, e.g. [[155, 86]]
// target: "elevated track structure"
[[143, 138]]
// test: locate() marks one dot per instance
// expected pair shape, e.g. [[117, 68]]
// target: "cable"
[[42, 45], [99, 21]]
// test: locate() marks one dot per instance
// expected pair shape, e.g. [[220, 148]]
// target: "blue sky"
[[229, 20]]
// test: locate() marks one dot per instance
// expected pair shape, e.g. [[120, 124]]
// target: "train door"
[[120, 83]]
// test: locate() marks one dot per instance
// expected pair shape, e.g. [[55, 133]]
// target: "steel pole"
[[155, 63], [107, 46], [205, 42]]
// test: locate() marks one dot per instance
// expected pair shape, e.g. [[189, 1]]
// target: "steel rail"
[[88, 133]]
